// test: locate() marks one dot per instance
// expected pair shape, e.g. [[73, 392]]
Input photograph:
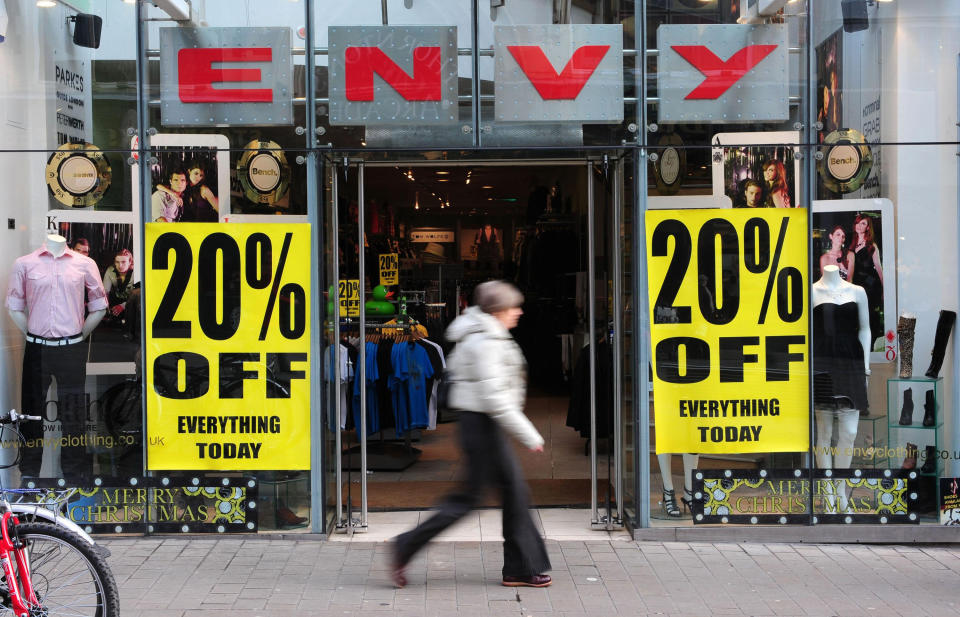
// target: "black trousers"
[[68, 364], [490, 463]]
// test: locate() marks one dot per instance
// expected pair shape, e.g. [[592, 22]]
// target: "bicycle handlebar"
[[17, 417]]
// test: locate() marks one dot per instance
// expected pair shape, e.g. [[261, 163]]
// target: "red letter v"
[[571, 80], [720, 75]]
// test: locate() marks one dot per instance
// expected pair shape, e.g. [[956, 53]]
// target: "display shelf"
[[901, 392], [289, 494], [871, 442]]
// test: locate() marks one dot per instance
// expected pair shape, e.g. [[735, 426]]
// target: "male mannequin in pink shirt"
[[45, 299]]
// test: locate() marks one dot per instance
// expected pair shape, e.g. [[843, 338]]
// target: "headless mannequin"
[[832, 289], [62, 363], [690, 462], [57, 244]]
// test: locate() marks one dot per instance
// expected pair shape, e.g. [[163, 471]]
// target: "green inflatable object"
[[379, 305]]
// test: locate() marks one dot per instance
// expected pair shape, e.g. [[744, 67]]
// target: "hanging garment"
[[373, 406], [438, 362], [578, 412], [411, 368], [338, 355]]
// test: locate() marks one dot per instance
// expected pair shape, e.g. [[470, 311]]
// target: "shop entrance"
[[412, 241]]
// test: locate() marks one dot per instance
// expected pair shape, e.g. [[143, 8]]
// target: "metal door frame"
[[599, 521]]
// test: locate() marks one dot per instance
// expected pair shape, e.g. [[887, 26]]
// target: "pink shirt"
[[51, 290]]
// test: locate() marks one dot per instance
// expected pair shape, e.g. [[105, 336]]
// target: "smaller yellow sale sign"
[[349, 293], [389, 269]]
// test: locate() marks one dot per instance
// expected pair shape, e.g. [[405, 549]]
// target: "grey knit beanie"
[[495, 296]]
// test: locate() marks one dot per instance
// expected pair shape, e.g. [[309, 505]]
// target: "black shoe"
[[537, 580], [906, 414], [944, 328], [930, 465], [930, 410], [670, 506], [398, 568]]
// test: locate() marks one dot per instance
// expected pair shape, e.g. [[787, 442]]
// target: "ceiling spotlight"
[[443, 179], [441, 172], [46, 4], [130, 1], [448, 203], [486, 186], [410, 175]]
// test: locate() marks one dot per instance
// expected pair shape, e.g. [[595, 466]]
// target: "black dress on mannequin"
[[837, 355]]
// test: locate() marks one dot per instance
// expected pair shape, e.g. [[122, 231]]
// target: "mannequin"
[[670, 505], [841, 363], [45, 299]]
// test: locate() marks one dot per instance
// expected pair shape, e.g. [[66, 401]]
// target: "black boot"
[[930, 410], [906, 414], [944, 327], [930, 465]]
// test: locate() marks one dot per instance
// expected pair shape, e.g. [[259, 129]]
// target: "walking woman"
[[488, 386]]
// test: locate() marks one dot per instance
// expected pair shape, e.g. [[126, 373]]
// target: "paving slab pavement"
[[262, 576]]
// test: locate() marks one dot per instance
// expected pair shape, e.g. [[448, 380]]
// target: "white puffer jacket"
[[488, 373]]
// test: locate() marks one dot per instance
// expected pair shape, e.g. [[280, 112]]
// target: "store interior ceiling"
[[480, 190]]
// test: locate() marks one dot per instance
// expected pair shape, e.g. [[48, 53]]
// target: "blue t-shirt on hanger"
[[408, 384]]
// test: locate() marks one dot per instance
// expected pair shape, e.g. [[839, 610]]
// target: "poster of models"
[[829, 80], [190, 179], [829, 94], [857, 236], [757, 170]]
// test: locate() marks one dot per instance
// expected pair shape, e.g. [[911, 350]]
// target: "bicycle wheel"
[[69, 576]]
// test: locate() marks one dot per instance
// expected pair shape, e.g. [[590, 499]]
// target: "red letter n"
[[362, 62]]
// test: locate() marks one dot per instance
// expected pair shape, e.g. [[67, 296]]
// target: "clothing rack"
[[384, 454]]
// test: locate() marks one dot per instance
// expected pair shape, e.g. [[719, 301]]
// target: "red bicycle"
[[49, 568]]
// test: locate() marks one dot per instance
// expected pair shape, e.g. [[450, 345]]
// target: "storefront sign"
[[263, 172], [432, 235], [158, 504], [389, 269], [782, 496], [557, 73], [728, 303], [847, 161], [349, 294], [393, 75], [228, 343], [78, 175], [722, 73], [196, 63], [73, 102]]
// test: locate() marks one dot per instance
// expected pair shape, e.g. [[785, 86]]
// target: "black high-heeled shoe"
[[687, 500], [670, 506]]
